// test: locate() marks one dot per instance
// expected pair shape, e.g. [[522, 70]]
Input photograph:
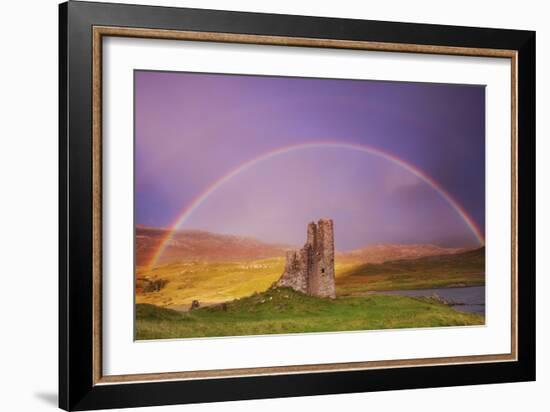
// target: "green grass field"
[[462, 269], [279, 311]]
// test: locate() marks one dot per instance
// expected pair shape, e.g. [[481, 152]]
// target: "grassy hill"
[[187, 245], [215, 282], [389, 252], [279, 311], [460, 269], [209, 282]]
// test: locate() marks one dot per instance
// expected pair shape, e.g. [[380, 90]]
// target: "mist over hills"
[[202, 245], [387, 252], [188, 245]]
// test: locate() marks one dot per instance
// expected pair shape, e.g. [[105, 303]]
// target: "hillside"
[[286, 311], [188, 245], [208, 282], [459, 269], [214, 282], [386, 252], [215, 268]]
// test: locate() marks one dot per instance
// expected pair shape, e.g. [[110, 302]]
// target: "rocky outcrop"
[[310, 270], [148, 285]]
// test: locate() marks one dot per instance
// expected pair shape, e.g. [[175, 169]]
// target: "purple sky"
[[192, 129]]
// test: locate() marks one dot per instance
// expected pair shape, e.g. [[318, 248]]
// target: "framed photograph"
[[257, 205]]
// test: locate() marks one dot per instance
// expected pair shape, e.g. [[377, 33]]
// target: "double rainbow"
[[188, 211]]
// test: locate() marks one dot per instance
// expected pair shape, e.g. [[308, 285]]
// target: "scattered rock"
[[148, 285]]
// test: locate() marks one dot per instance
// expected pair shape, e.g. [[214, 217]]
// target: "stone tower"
[[310, 270]]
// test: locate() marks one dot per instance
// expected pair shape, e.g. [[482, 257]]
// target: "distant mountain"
[[202, 245], [388, 252]]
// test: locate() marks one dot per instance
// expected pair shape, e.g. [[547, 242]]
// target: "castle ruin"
[[310, 270]]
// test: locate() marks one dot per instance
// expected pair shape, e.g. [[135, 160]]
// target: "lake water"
[[467, 299]]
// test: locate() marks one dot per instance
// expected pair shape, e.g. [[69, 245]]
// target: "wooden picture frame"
[[82, 28]]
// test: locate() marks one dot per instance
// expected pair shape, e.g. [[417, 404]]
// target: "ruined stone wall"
[[321, 277], [310, 270], [296, 271]]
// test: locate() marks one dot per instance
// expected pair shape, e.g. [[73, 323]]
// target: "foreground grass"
[[278, 311]]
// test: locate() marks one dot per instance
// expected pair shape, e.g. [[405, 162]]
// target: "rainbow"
[[187, 212]]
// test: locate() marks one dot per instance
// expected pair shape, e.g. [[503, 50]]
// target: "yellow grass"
[[214, 282]]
